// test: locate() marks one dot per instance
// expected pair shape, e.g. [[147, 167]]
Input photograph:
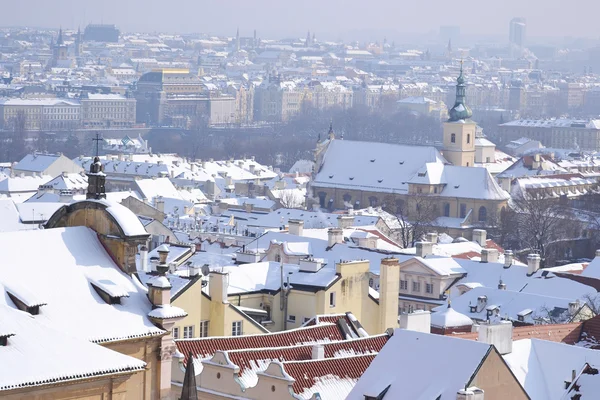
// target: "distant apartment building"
[[278, 100], [101, 33], [107, 110], [40, 114], [329, 94], [517, 31], [556, 133]]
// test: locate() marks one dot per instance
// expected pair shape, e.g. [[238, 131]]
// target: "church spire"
[[460, 111], [189, 391], [96, 176], [59, 41]]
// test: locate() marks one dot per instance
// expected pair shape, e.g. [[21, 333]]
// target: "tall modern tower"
[[517, 32]]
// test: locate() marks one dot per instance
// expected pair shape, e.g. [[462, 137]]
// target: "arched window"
[[277, 257], [322, 196], [446, 209], [371, 282], [453, 138], [373, 201], [482, 214], [468, 138]]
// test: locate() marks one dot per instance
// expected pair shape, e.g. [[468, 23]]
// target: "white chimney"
[[318, 352], [144, 259], [418, 321], [481, 303], [345, 221], [472, 393], [489, 255], [432, 237], [501, 285], [310, 264], [424, 249], [533, 263], [296, 227], [193, 270], [508, 258], [574, 307], [334, 236], [499, 334], [480, 236]]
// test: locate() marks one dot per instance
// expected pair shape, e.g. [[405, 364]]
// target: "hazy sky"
[[326, 17]]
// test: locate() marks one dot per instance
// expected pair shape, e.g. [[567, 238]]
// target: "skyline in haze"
[[332, 19]]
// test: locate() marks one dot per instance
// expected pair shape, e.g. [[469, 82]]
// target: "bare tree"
[[290, 199], [542, 221], [414, 212], [17, 148]]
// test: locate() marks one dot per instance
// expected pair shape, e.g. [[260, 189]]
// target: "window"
[[403, 285], [292, 318], [482, 214], [236, 328], [446, 209], [332, 299], [468, 138], [419, 190], [453, 138], [188, 332], [203, 328], [176, 333], [487, 160], [416, 286], [463, 210], [370, 282], [305, 320], [429, 288]]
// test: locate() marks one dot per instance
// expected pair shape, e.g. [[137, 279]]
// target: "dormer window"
[[4, 337], [110, 292], [24, 299]]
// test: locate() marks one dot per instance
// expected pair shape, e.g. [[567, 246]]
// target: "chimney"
[[144, 259], [499, 334], [533, 263], [218, 285], [345, 221], [481, 303], [163, 253], [159, 204], [424, 249], [508, 258], [418, 321], [501, 285], [489, 255], [389, 287], [252, 168], [480, 236], [334, 236], [432, 237], [574, 307], [472, 393], [598, 253], [318, 352], [193, 270], [296, 227]]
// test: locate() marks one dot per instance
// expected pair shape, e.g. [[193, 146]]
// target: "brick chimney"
[[389, 287]]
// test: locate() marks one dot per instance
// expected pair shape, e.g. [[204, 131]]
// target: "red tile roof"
[[206, 347], [307, 373], [586, 280], [561, 333], [368, 345], [327, 318], [591, 331]]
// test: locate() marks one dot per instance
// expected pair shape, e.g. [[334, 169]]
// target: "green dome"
[[461, 110]]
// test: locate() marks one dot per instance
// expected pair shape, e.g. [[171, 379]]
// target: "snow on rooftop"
[[39, 354], [60, 269], [448, 317]]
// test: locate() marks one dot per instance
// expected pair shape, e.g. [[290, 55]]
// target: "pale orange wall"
[[496, 380]]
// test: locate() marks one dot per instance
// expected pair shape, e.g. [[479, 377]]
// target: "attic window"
[[472, 308], [110, 292], [422, 174], [372, 160], [25, 300], [351, 178], [330, 176], [456, 186], [401, 162], [379, 180]]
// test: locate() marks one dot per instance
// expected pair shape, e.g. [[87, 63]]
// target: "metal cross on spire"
[[97, 139]]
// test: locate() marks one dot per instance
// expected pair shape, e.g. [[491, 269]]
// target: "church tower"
[[459, 130], [78, 43], [96, 177]]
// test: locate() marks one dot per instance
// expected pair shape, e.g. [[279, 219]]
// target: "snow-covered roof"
[[406, 380], [448, 317], [542, 367], [39, 354], [23, 184], [445, 266], [36, 162], [370, 165], [64, 264], [67, 182]]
